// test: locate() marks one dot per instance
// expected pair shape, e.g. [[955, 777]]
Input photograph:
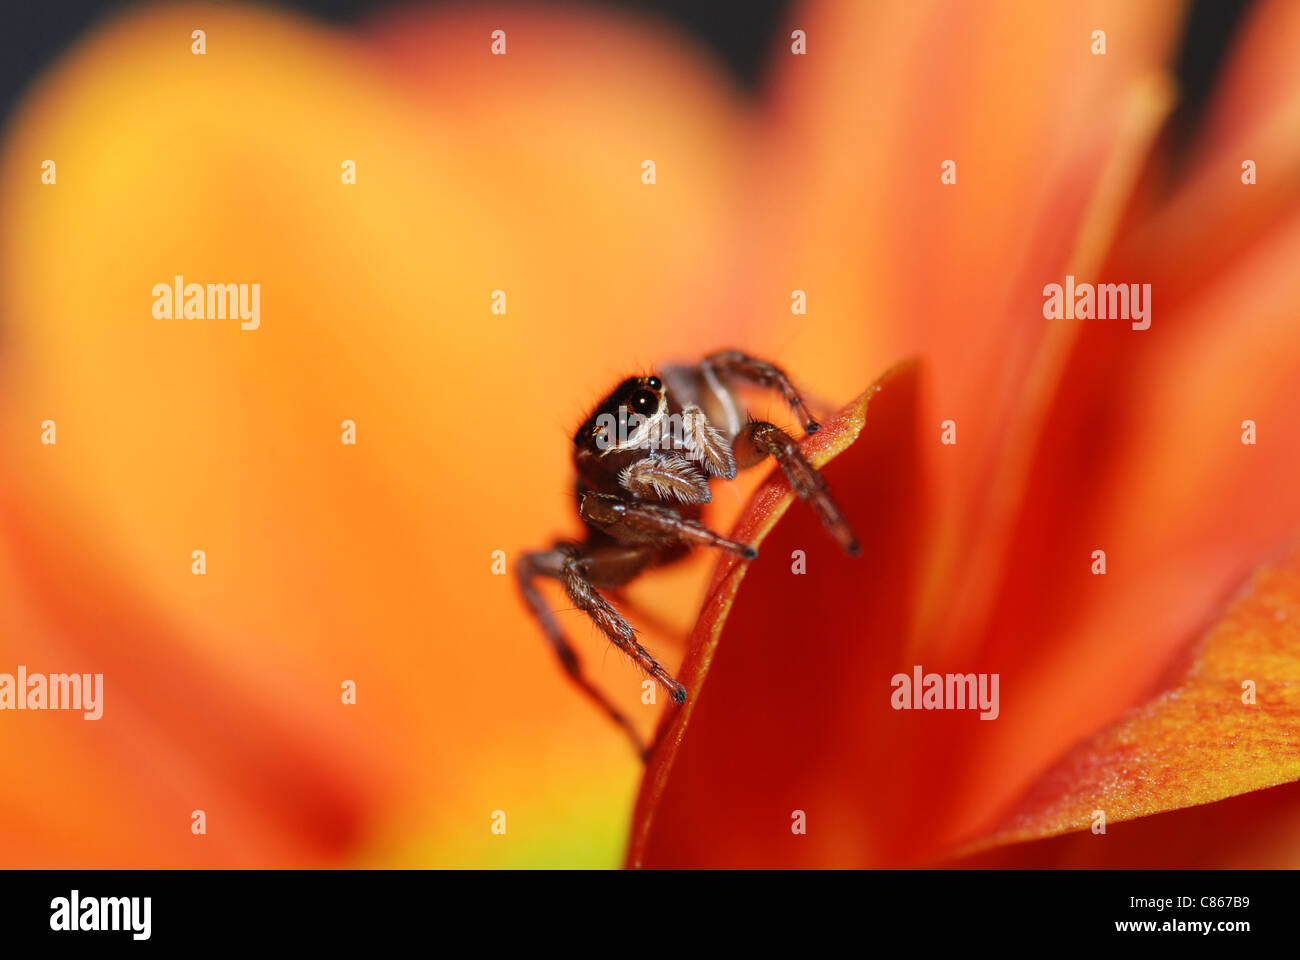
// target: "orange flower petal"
[[1212, 218], [1258, 830], [1199, 741], [1146, 430]]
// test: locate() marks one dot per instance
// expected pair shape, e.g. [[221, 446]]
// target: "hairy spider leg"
[[759, 439], [733, 363], [578, 570]]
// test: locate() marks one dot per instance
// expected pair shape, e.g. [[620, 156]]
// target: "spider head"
[[626, 420]]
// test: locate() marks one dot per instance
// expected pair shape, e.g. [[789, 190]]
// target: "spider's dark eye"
[[644, 402], [654, 383]]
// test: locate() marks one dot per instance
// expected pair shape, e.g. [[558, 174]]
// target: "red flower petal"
[[725, 795]]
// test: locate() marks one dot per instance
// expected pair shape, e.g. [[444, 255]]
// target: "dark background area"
[[740, 32]]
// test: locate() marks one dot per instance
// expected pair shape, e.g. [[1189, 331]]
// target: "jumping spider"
[[644, 460]]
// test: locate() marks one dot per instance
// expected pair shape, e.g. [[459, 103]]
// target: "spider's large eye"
[[644, 402]]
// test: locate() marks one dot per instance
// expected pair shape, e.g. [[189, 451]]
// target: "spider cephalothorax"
[[644, 459]]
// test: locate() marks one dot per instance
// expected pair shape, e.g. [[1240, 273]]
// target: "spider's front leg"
[[632, 521], [758, 438], [733, 364]]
